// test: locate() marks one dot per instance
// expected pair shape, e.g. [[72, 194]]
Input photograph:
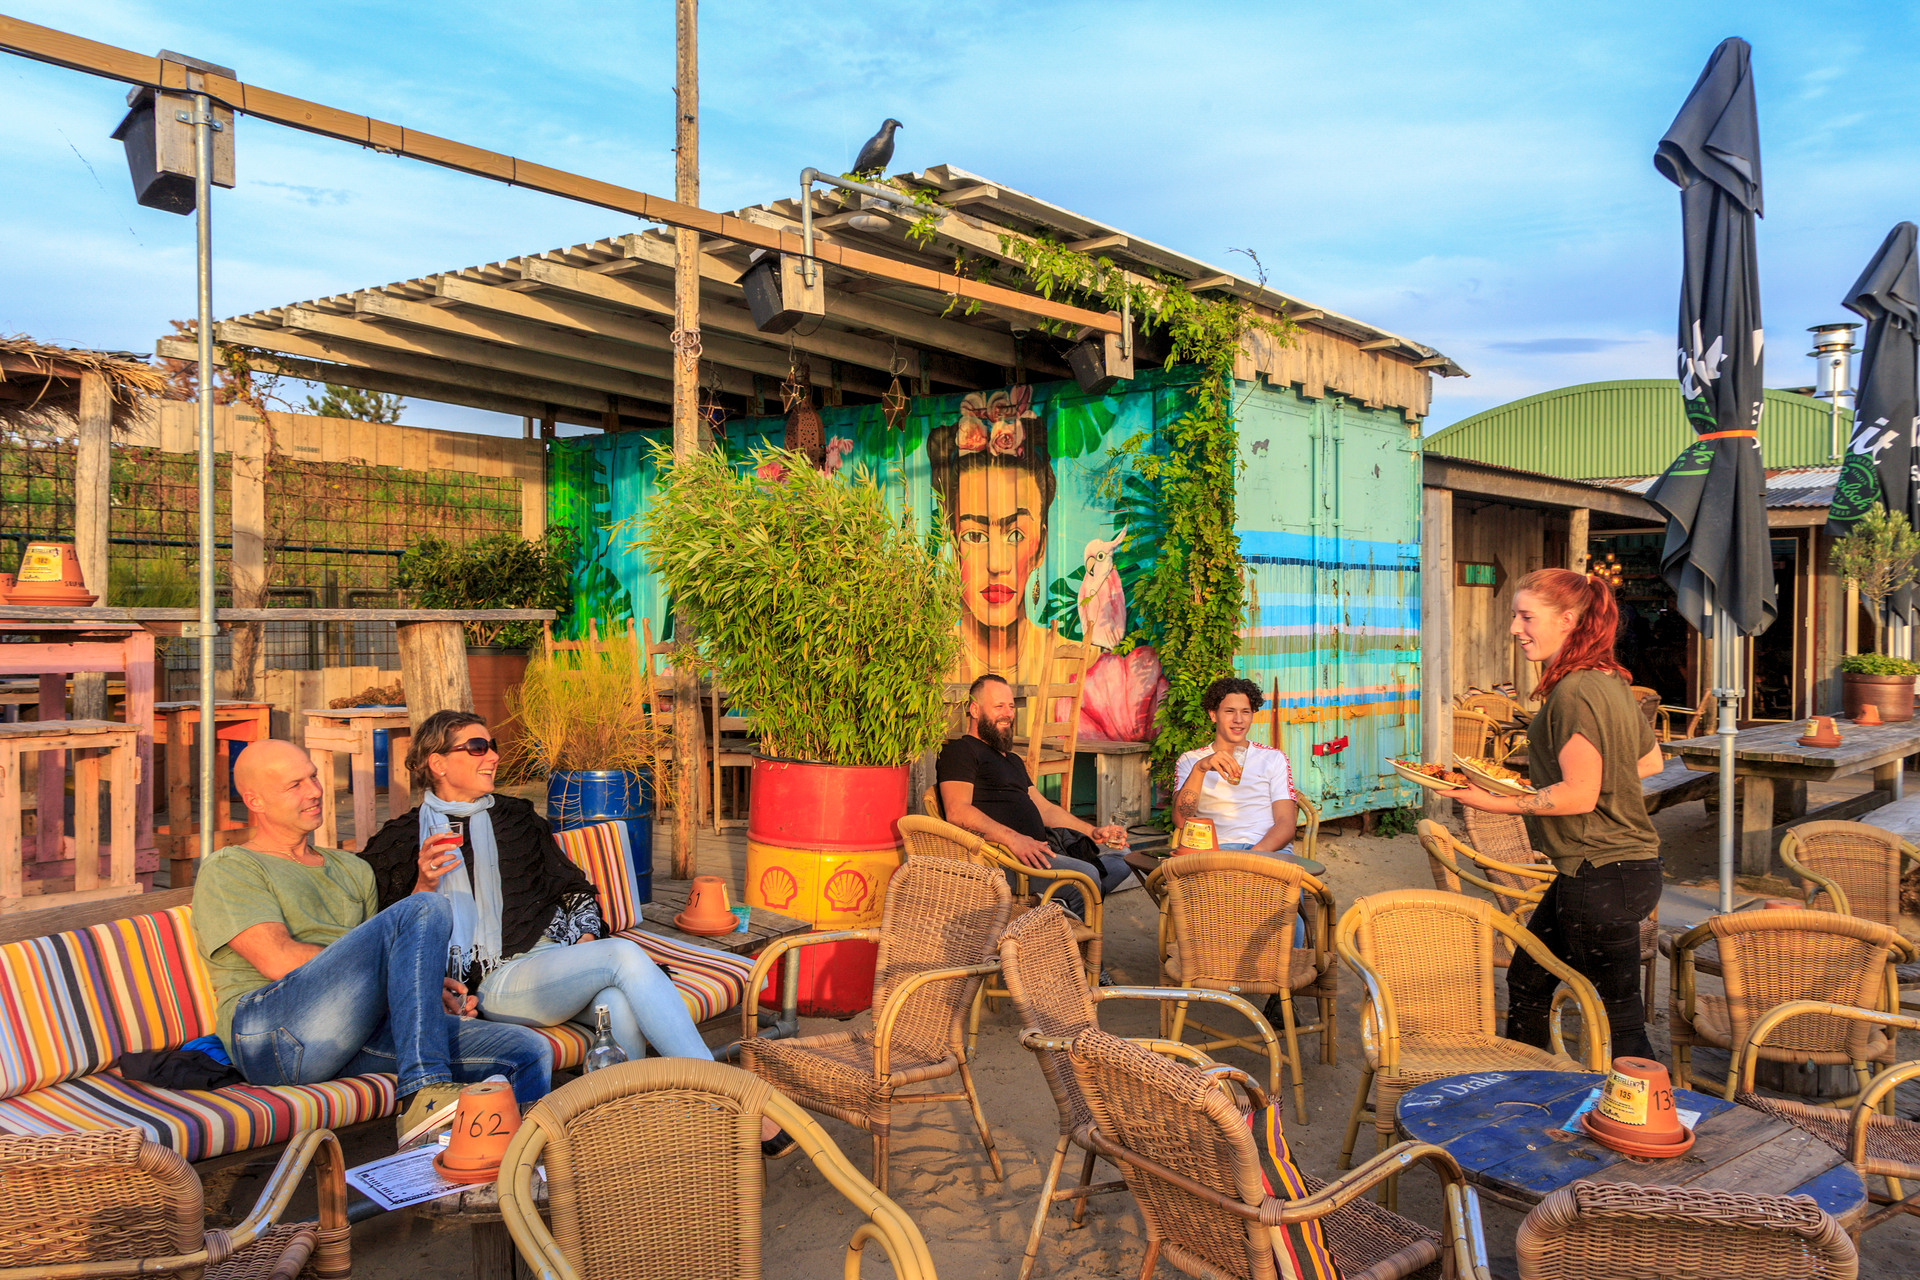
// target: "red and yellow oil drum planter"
[[822, 842]]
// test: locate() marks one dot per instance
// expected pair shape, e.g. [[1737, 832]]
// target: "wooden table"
[[175, 725], [763, 926], [93, 743], [1768, 755], [52, 648], [1504, 1127], [351, 729]]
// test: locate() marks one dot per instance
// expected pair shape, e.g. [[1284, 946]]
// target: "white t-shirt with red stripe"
[[1242, 812]]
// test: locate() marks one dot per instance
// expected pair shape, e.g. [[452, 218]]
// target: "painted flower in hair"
[[971, 437], [771, 471], [837, 449]]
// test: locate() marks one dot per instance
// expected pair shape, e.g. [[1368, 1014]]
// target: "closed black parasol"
[[1882, 455], [1717, 556]]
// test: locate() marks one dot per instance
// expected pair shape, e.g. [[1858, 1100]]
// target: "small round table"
[[1506, 1130]]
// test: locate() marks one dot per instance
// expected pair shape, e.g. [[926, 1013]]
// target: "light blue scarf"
[[476, 899]]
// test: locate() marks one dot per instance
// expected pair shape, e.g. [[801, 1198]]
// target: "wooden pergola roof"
[[581, 334]]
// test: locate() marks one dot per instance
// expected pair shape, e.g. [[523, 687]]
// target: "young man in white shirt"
[[1244, 788]]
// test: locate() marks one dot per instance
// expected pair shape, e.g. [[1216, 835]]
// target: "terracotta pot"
[[1869, 714], [485, 1123], [1820, 733], [708, 912], [1638, 1096], [1893, 695], [50, 575]]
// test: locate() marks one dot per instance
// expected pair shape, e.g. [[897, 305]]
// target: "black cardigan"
[[535, 876]]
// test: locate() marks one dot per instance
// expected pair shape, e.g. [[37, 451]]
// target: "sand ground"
[[975, 1226]]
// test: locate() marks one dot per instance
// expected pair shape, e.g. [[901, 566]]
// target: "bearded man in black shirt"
[[984, 787]]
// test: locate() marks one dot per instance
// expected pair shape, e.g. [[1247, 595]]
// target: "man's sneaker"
[[426, 1100]]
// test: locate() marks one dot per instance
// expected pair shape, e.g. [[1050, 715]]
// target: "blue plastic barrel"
[[581, 798]]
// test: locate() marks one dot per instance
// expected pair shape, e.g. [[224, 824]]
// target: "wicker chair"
[[1427, 960], [1502, 848], [1875, 1144], [654, 1170], [1475, 733], [1227, 924], [1497, 705], [1592, 1229], [110, 1203], [1855, 869], [1194, 1169], [1693, 718], [1038, 957], [937, 933], [1768, 958]]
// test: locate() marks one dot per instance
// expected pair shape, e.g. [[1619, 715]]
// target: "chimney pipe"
[[1833, 352]]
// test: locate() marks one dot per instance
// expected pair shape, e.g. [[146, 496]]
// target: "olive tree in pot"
[[1878, 557], [830, 619], [496, 571]]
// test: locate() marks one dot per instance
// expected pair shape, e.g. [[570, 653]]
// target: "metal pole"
[[1724, 639], [203, 248]]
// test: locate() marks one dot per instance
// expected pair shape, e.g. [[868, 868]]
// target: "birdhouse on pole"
[[158, 135]]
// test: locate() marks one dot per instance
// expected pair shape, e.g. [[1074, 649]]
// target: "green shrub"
[[1878, 664], [498, 571]]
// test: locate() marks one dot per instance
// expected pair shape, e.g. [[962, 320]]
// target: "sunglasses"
[[475, 746]]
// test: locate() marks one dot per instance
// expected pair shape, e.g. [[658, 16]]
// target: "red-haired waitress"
[[1589, 747]]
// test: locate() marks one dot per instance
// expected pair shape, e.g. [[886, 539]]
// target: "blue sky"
[[1474, 176]]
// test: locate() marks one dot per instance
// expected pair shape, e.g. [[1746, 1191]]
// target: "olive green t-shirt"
[[238, 888], [1597, 706]]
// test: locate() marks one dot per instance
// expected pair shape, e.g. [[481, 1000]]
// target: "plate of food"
[[1494, 778], [1434, 777]]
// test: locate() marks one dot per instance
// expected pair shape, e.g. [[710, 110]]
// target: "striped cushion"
[[569, 1044], [711, 982], [198, 1123], [601, 851]]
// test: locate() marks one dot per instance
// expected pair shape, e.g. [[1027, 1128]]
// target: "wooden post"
[[688, 740], [92, 511], [1578, 521], [248, 566], [1436, 637], [433, 667]]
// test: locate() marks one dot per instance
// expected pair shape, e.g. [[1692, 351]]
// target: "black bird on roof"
[[875, 156]]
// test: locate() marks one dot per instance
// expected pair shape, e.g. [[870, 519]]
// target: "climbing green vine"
[[1191, 609]]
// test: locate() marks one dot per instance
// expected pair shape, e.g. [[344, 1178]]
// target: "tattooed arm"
[[1578, 790]]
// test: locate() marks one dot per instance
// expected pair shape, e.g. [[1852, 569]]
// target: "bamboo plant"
[[579, 712], [816, 606]]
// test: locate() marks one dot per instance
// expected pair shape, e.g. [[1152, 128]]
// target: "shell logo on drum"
[[846, 890], [778, 888]]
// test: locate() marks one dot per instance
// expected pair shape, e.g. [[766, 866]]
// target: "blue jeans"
[[552, 984], [370, 1001]]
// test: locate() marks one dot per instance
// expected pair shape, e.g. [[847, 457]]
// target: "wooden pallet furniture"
[[351, 730], [176, 727], [100, 748]]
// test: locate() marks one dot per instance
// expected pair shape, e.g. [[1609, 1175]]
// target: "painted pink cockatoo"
[[1103, 601]]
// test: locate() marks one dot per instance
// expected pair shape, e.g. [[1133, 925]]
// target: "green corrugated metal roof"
[[1599, 430]]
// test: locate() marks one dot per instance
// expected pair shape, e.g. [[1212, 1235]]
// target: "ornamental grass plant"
[[819, 610], [581, 712]]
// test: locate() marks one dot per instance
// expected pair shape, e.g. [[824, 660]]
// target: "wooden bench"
[[1902, 817], [1676, 784]]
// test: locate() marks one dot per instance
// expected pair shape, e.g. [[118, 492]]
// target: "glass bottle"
[[603, 1052]]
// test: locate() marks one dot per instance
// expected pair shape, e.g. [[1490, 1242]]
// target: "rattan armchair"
[[936, 937], [1591, 1229], [1227, 924], [110, 1203], [1769, 958], [1475, 733], [654, 1170], [1881, 1145], [1427, 959], [1852, 868], [1519, 876], [1194, 1169], [1039, 960]]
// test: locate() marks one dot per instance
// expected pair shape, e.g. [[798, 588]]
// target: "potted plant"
[[497, 571], [581, 723], [831, 620], [1878, 557]]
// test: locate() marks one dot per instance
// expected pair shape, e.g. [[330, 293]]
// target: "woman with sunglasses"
[[527, 937]]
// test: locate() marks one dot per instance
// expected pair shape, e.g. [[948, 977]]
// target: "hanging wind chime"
[[805, 433], [895, 403]]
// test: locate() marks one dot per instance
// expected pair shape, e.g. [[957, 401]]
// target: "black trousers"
[[1591, 920], [1073, 851]]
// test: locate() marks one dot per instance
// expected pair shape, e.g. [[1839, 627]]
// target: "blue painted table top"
[[1506, 1130]]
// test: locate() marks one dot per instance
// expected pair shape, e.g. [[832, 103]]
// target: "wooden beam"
[[1303, 315], [1380, 344], [1498, 484], [478, 355], [426, 368], [92, 517], [61, 49], [1209, 282], [643, 357], [1436, 636], [1433, 363], [981, 193], [1095, 244]]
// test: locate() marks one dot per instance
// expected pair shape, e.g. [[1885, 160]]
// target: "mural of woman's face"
[[1000, 533]]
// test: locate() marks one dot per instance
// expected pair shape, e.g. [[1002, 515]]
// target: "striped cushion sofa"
[[72, 1003]]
